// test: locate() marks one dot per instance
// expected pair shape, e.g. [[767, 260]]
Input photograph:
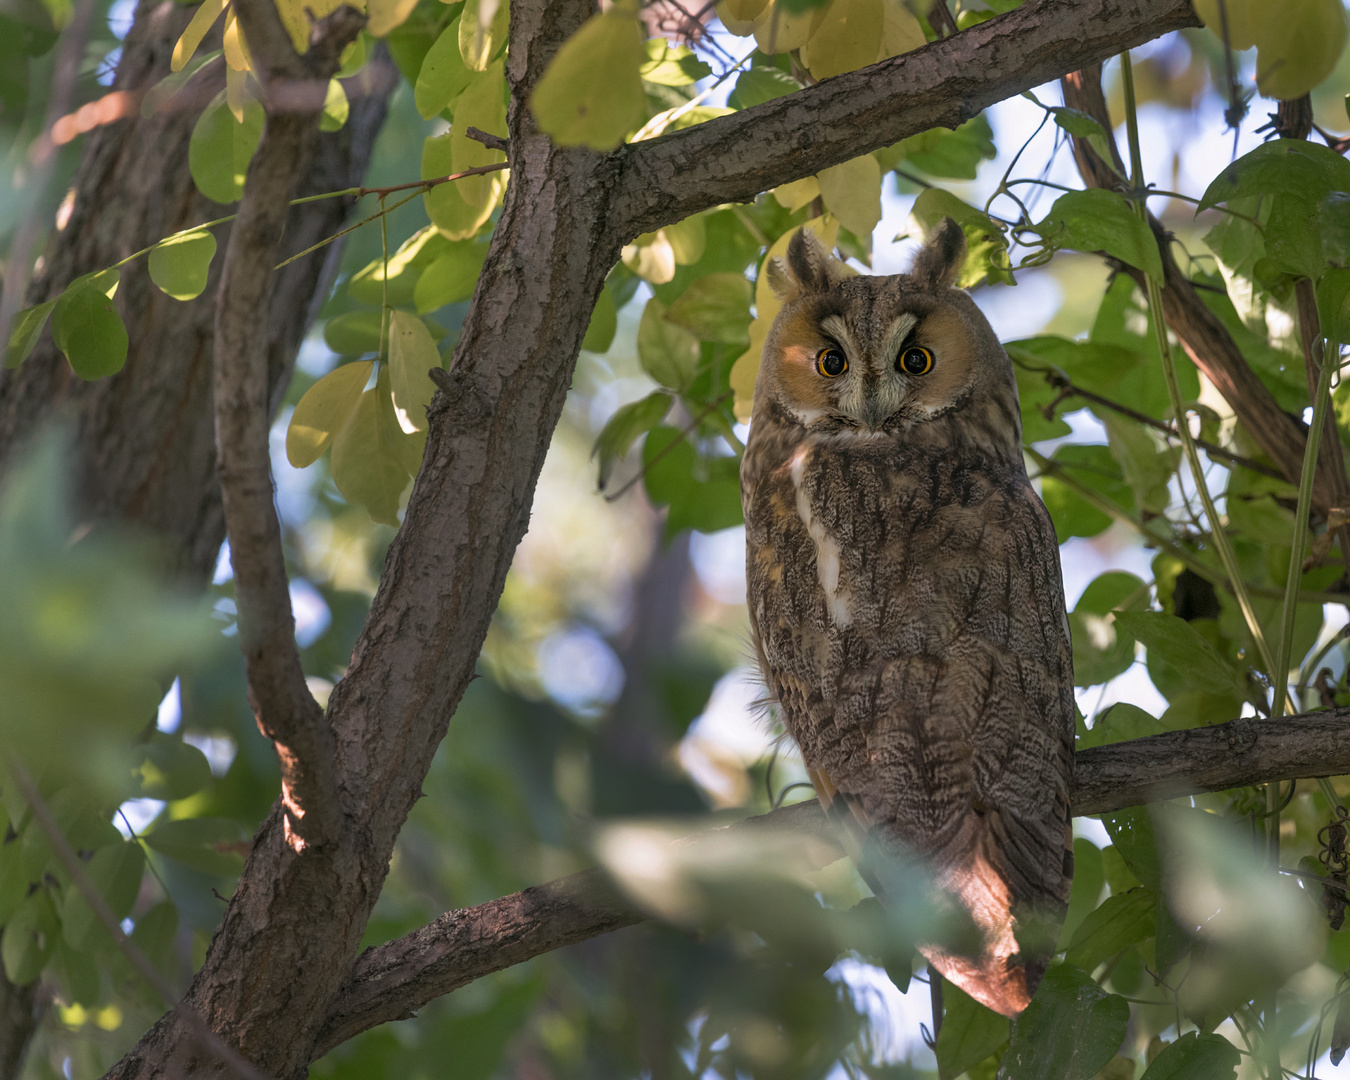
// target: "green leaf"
[[715, 307], [1333, 304], [1101, 650], [761, 84], [354, 333], [1069, 1031], [603, 325], [1295, 167], [323, 410], [625, 427], [1121, 722], [451, 278], [591, 94], [155, 932], [482, 31], [13, 880], [171, 768], [672, 65], [986, 246], [702, 493], [116, 873], [29, 938], [970, 1032], [221, 148], [482, 105], [412, 354], [27, 328], [1100, 220], [369, 285], [1145, 459], [87, 327], [1088, 879], [1094, 468], [1133, 839], [212, 845], [1182, 647], [455, 218], [369, 454], [1121, 921], [954, 155], [335, 107], [1196, 1056], [668, 352], [444, 74], [180, 265]]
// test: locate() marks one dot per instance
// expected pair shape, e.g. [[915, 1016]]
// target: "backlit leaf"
[[354, 333], [444, 74], [221, 148], [202, 21], [86, 326], [651, 257], [779, 30], [455, 218], [1101, 649], [668, 352], [1297, 46], [715, 307], [986, 246], [1071, 1029], [335, 107], [450, 278], [845, 41], [368, 454], [954, 154], [23, 338], [852, 193], [1100, 220], [1178, 643], [171, 768], [688, 239], [180, 265], [412, 353], [672, 65], [1242, 17], [482, 32], [482, 105], [387, 15], [591, 94], [323, 410]]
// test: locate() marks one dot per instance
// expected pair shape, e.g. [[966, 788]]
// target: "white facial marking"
[[827, 548], [895, 337], [806, 417]]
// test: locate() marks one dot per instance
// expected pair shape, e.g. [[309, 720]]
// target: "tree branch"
[[734, 158], [391, 982], [286, 711]]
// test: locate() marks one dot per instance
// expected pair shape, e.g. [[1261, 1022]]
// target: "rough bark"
[[566, 215], [392, 981], [144, 436]]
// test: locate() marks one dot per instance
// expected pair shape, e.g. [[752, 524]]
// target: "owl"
[[905, 597]]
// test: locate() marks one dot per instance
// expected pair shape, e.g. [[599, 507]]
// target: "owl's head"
[[877, 356]]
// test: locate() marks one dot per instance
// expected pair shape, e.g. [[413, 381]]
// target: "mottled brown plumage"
[[905, 595]]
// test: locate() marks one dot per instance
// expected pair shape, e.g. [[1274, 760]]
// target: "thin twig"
[[685, 432]]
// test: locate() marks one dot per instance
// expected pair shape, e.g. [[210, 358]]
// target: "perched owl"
[[905, 595]]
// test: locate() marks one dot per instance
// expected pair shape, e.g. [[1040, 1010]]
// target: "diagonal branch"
[[286, 711], [734, 158], [392, 981], [1201, 333]]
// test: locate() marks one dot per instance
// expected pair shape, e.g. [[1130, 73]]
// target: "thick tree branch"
[[734, 158], [1202, 334], [391, 982], [286, 710]]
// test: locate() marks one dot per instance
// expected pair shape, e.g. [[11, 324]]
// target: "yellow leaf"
[[481, 105], [591, 94], [368, 454], [1297, 46], [236, 47], [412, 353], [651, 258], [482, 32], [323, 410], [852, 193], [688, 239], [237, 96], [901, 32], [1243, 16], [455, 218], [739, 16], [777, 31], [846, 38], [767, 306], [387, 15], [298, 16], [797, 194], [202, 20]]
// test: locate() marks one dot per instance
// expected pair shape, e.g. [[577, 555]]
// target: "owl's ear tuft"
[[811, 268], [942, 256], [781, 281]]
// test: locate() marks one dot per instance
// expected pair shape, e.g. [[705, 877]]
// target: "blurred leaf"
[[181, 264], [1133, 840], [354, 333], [322, 412], [336, 107], [715, 308], [591, 93], [29, 938], [155, 931], [1195, 1056], [970, 1032], [625, 427], [668, 352], [86, 326], [1182, 647], [171, 768], [412, 354], [221, 148], [787, 25], [1122, 920], [1100, 220], [213, 845], [13, 880], [761, 84], [1146, 461], [202, 20], [451, 278], [1071, 1029], [603, 325], [1297, 46], [1088, 879], [702, 493], [443, 75], [116, 873], [1084, 127], [23, 337], [688, 239], [672, 65]]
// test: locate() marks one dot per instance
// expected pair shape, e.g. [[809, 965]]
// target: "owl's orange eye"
[[831, 363], [915, 360]]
